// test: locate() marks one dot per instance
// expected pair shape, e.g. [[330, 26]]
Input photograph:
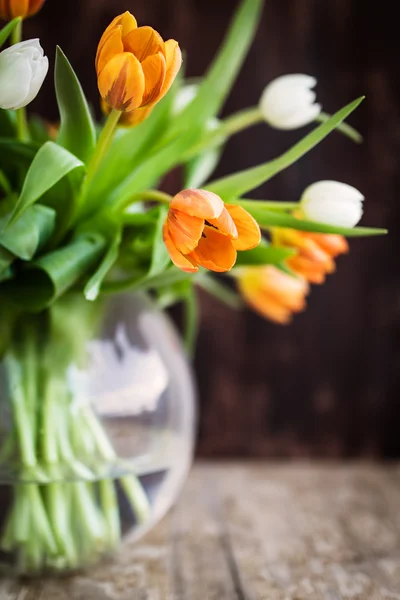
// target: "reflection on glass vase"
[[97, 416]]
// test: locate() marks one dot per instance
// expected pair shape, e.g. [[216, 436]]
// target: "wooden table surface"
[[257, 531]]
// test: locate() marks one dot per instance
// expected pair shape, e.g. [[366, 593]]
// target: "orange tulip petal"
[[224, 223], [135, 117], [10, 9], [110, 46], [332, 244], [313, 272], [35, 6], [268, 308], [249, 234], [127, 22], [143, 42], [121, 82], [154, 69], [214, 251], [173, 57], [288, 291], [272, 293], [303, 241], [119, 27], [185, 263], [185, 231], [198, 203]]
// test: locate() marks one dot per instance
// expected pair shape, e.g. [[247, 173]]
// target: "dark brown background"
[[328, 385]]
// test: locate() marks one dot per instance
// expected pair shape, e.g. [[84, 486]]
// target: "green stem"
[[109, 504], [169, 277], [137, 497], [344, 128], [224, 293], [16, 35], [191, 324], [22, 121], [230, 126], [22, 420], [242, 120], [147, 196], [103, 144], [265, 204]]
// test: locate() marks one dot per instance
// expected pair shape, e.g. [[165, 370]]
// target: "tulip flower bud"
[[288, 102], [333, 203], [23, 68], [135, 67], [9, 9]]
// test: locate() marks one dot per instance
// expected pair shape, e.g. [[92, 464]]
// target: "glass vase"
[[97, 416]]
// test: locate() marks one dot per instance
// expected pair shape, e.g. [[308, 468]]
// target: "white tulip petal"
[[339, 212], [41, 70], [15, 76], [288, 102], [294, 79], [185, 96], [332, 189], [332, 202], [297, 119], [23, 68]]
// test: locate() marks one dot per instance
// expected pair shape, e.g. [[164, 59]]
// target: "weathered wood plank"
[[257, 532]]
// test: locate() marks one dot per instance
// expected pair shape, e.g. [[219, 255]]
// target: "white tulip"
[[184, 97], [288, 102], [23, 68], [332, 203]]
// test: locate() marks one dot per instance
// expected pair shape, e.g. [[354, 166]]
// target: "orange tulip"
[[316, 252], [200, 230], [135, 67], [272, 293], [9, 9]]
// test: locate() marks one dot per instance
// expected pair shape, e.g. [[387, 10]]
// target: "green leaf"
[[343, 128], [264, 254], [6, 259], [268, 219], [45, 280], [77, 131], [8, 29], [160, 258], [240, 183], [30, 233], [64, 198], [92, 288], [49, 166], [221, 76]]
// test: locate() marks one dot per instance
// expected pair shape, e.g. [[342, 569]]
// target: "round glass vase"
[[97, 419]]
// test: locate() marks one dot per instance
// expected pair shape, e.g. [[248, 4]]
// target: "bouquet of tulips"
[[83, 214]]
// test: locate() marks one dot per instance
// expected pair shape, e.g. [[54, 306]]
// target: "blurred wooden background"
[[328, 385]]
